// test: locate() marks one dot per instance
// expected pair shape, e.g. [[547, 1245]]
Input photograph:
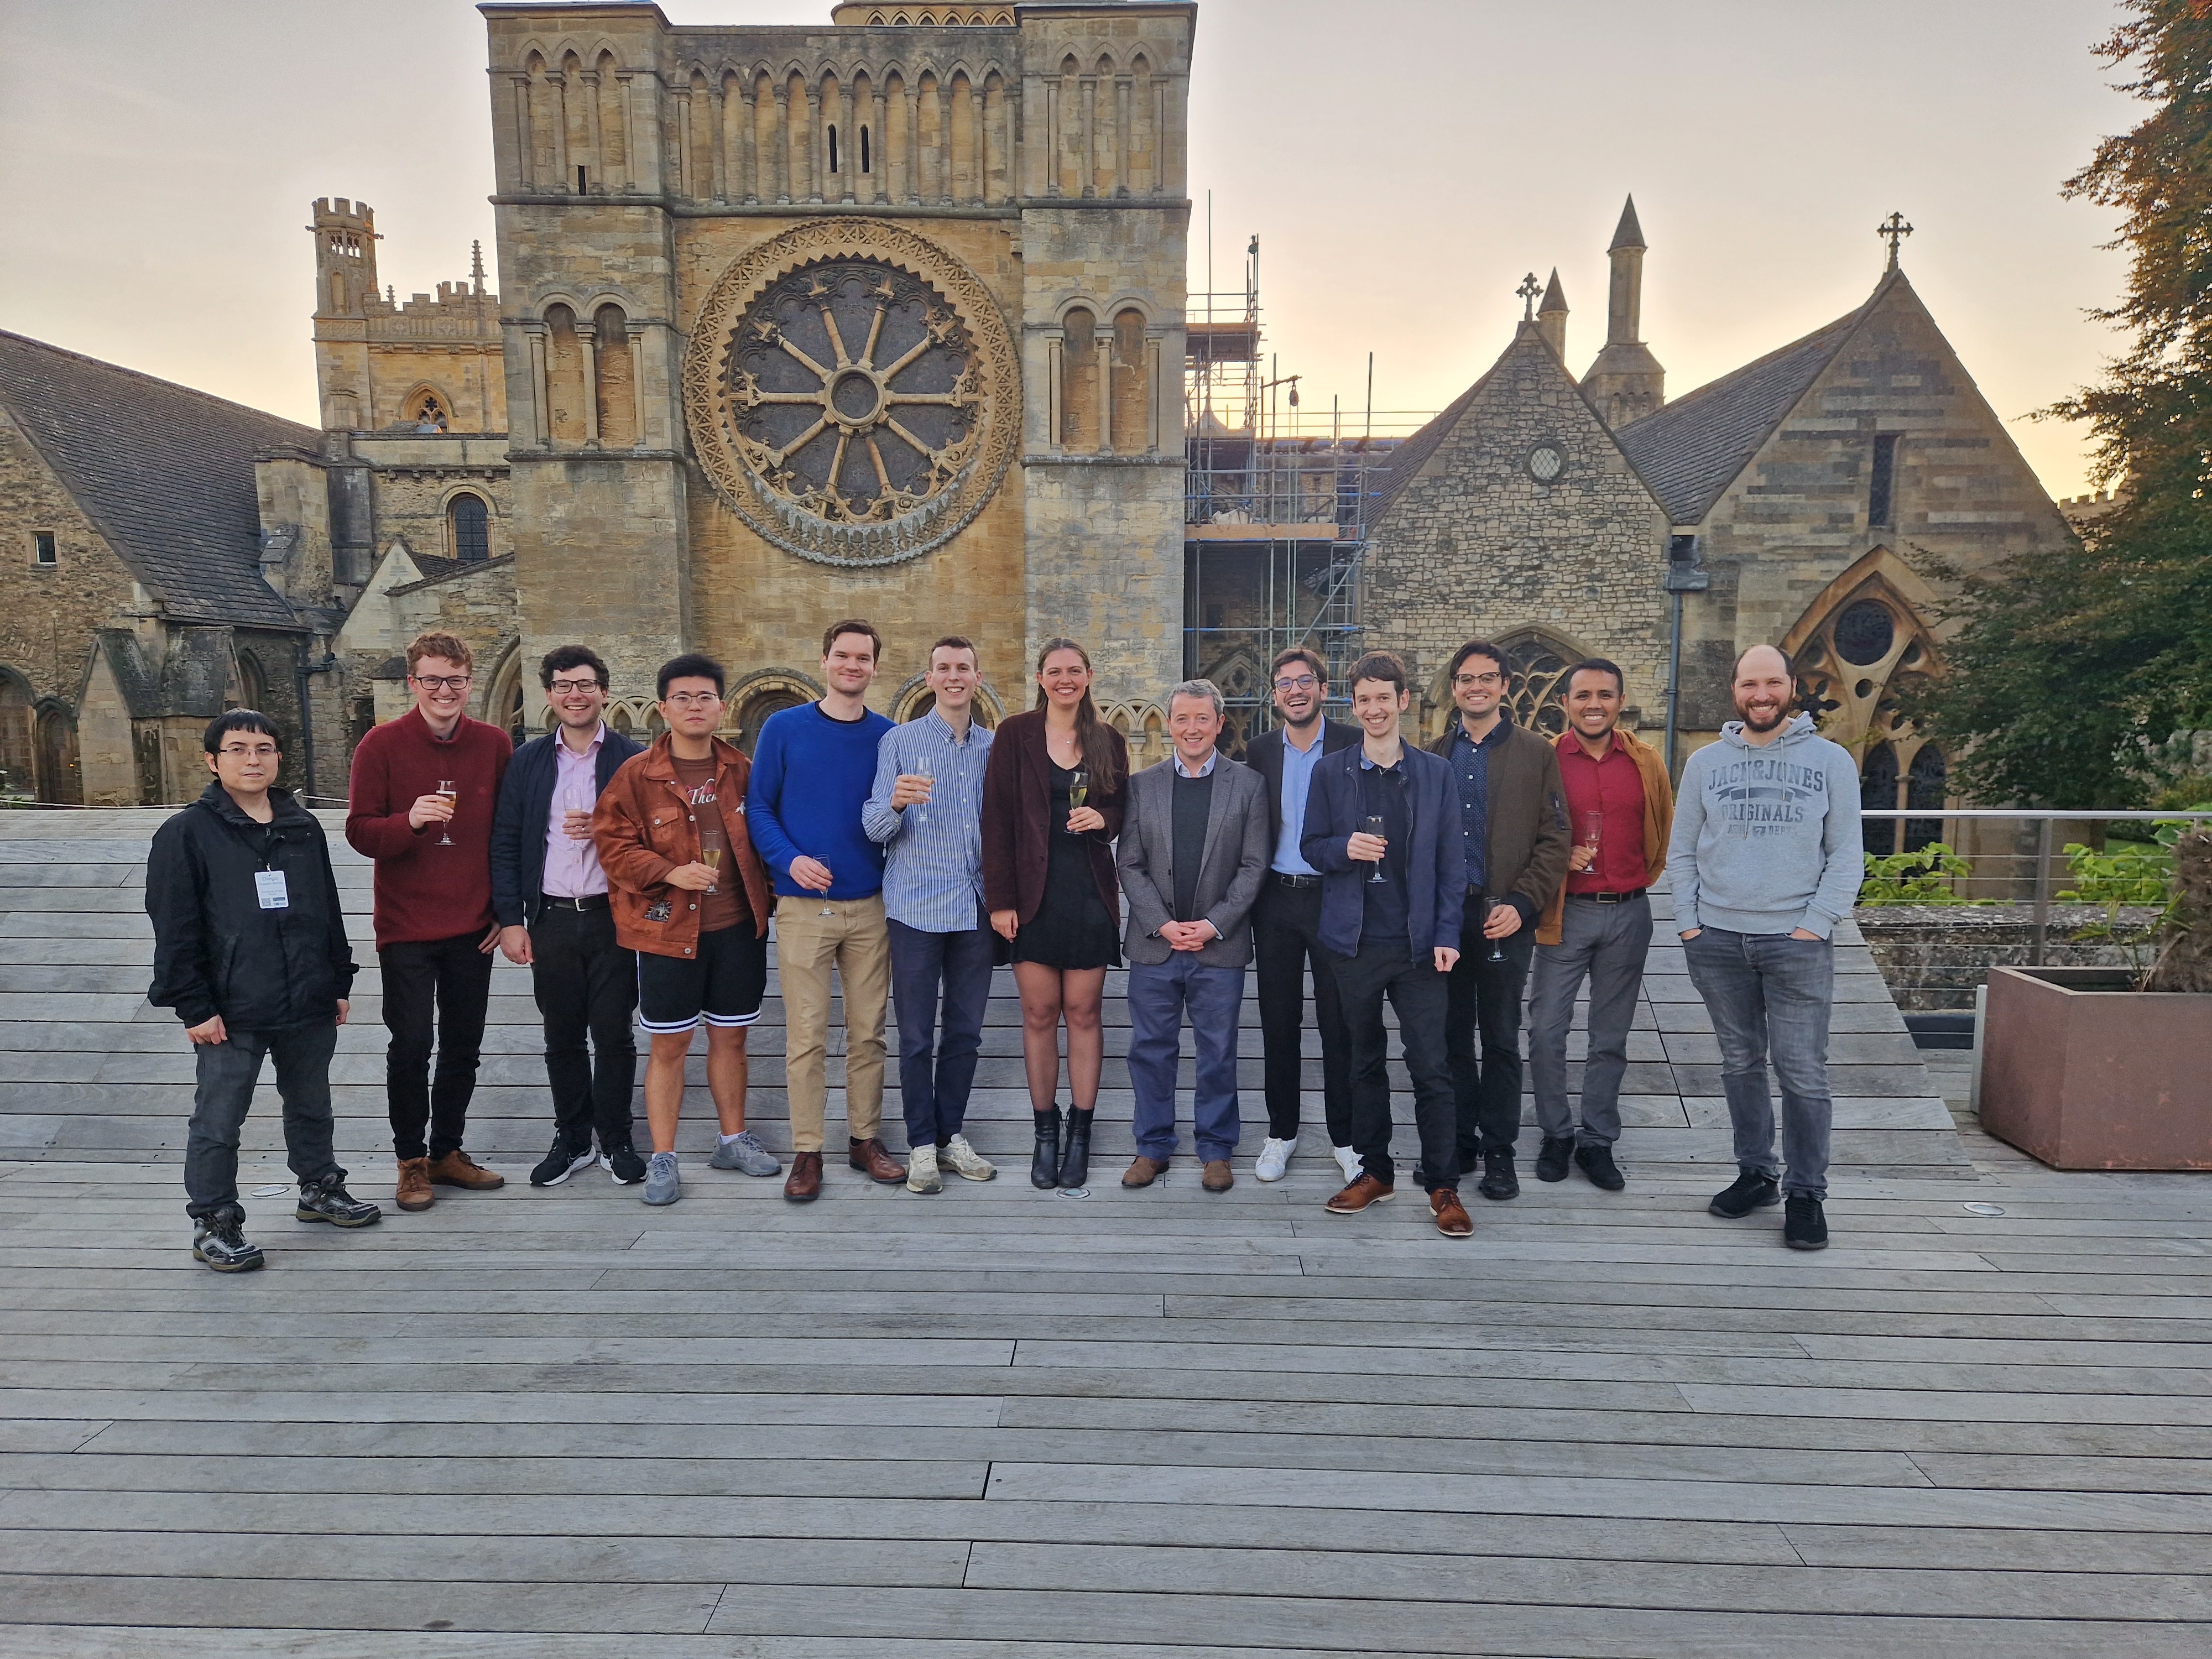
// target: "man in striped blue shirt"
[[927, 812]]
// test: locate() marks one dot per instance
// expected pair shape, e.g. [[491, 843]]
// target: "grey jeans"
[[227, 1074], [1605, 944], [1769, 996]]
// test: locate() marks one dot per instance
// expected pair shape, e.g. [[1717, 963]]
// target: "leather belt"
[[589, 902], [1295, 881], [1610, 898]]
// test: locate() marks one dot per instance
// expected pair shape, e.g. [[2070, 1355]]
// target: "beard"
[[1766, 719]]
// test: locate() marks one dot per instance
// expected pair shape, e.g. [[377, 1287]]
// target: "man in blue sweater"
[[1767, 858], [812, 771]]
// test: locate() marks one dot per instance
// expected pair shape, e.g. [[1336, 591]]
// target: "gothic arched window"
[[1927, 784], [470, 524], [1535, 688], [1878, 793]]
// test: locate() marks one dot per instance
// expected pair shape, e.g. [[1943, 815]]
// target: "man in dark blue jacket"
[[250, 949], [551, 897], [1381, 826]]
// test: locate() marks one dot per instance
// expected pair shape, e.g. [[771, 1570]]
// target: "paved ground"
[[1003, 1423]]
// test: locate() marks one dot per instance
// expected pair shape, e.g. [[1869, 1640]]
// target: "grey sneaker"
[[745, 1153], [965, 1161], [662, 1185], [921, 1175]]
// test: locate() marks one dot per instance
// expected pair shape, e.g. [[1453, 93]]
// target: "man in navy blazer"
[[551, 897], [1390, 911]]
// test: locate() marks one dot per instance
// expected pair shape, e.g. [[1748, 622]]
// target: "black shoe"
[[329, 1201], [1044, 1163], [562, 1161], [1075, 1156], [220, 1241], [624, 1164], [1804, 1227], [1594, 1159], [1752, 1191], [1498, 1180], [1552, 1158]]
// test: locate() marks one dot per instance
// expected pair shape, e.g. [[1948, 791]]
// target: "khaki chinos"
[[853, 940]]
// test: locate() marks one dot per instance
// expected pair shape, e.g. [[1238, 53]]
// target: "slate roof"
[[165, 473], [1689, 451]]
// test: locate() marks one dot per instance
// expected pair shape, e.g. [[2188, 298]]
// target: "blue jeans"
[[1769, 996], [227, 1074], [935, 1076], [1159, 995]]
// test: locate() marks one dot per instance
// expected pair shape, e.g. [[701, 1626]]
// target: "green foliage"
[[2125, 873], [2072, 662], [1921, 878]]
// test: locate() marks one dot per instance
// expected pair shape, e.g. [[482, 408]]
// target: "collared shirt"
[[572, 867], [1612, 788], [1470, 765], [1205, 771], [933, 853], [1297, 778], [1386, 914]]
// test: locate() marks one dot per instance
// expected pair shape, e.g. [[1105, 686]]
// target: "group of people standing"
[[901, 864]]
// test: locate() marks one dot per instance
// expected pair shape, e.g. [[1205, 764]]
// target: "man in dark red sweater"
[[423, 789]]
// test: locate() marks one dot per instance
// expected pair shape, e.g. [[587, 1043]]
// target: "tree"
[[2071, 659]]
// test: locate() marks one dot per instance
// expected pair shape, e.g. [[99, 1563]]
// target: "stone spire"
[[1625, 382], [1552, 316], [475, 265]]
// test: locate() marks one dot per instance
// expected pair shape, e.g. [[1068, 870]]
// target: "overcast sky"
[[1402, 161]]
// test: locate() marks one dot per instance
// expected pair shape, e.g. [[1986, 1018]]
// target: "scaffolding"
[[1275, 514]]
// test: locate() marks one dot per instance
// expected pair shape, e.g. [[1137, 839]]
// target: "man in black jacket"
[[250, 949], [1286, 921], [551, 897]]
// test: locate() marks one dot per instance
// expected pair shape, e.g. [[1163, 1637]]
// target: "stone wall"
[[1934, 955], [48, 613]]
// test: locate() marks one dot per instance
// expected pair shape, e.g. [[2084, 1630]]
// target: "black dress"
[[1071, 928]]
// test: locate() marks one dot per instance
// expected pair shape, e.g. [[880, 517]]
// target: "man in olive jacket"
[[250, 949]]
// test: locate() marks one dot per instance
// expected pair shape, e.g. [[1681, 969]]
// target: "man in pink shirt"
[[551, 897]]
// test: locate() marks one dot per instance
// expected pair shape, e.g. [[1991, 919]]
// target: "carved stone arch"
[[1537, 660], [19, 735], [506, 702], [572, 62], [603, 54], [1861, 641], [427, 402], [763, 692]]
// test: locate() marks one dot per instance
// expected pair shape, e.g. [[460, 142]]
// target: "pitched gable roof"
[[1692, 449], [165, 472]]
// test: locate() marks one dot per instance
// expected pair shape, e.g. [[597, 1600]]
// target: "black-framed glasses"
[[1478, 679], [562, 688], [1303, 682], [258, 752], [442, 681]]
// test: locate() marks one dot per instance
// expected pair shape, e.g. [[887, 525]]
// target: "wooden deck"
[[1003, 1423]]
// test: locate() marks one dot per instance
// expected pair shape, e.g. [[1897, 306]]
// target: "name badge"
[[269, 884]]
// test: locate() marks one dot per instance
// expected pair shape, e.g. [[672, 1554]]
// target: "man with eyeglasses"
[[1286, 922], [555, 918], [1515, 838], [423, 792], [250, 949]]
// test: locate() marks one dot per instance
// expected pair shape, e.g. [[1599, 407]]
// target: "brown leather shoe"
[[1359, 1195], [415, 1191], [1218, 1177], [1144, 1171], [804, 1185], [1451, 1215], [871, 1156], [458, 1169]]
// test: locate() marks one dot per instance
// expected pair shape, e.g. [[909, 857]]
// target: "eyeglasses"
[[694, 699], [258, 751], [1303, 682], [441, 682], [1478, 679], [564, 688]]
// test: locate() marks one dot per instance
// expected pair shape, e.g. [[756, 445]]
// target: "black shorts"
[[724, 983]]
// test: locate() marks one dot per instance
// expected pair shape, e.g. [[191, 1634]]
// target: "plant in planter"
[[2186, 961]]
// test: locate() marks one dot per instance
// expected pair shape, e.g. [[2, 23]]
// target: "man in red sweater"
[[423, 789]]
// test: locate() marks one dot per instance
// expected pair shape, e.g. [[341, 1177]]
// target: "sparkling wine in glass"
[[452, 797], [1589, 828], [1078, 791], [1490, 907], [712, 858], [1374, 825], [925, 769]]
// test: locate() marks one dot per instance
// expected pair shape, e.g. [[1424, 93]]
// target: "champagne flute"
[[1374, 825], [1078, 790], [1590, 827], [712, 858], [925, 769], [1490, 907], [452, 797]]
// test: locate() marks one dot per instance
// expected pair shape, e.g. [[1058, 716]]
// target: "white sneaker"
[[1274, 1159], [921, 1175], [965, 1161], [1348, 1161]]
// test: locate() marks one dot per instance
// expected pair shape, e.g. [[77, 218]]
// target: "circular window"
[[1545, 463], [1865, 633]]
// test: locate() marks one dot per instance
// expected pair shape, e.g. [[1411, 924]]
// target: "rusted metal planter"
[[2084, 1073]]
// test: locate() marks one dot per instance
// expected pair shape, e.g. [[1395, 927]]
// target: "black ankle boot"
[[1075, 1158], [1044, 1163]]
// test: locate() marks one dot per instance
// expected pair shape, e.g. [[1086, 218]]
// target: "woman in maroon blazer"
[[1048, 880]]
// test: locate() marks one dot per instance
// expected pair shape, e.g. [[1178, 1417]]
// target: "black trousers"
[[1286, 939], [1485, 996], [585, 985], [441, 984], [1417, 992], [228, 1072]]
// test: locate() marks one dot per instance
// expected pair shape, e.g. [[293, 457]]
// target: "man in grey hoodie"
[[1767, 858]]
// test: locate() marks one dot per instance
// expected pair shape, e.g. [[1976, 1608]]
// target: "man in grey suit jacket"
[[1193, 852]]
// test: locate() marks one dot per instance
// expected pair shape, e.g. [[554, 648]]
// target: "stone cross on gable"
[[1528, 290], [1891, 230]]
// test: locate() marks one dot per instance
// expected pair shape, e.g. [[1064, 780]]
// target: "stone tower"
[[1552, 316], [1624, 382], [883, 317], [345, 280]]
